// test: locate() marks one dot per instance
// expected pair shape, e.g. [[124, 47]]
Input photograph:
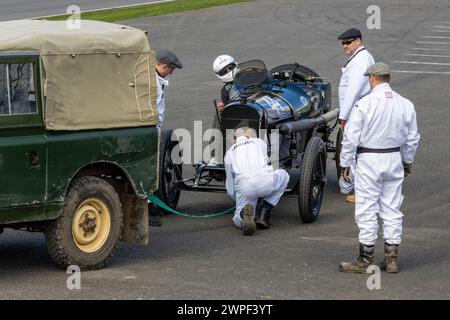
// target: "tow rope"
[[159, 203]]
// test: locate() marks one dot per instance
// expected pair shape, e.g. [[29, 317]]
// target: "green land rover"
[[78, 136]]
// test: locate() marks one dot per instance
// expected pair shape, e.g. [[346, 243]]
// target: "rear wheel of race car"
[[169, 172], [88, 230], [313, 177], [337, 154]]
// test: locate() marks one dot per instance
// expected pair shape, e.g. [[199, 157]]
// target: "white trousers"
[[378, 191], [270, 187]]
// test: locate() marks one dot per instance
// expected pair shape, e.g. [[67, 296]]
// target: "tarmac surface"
[[23, 9], [209, 258]]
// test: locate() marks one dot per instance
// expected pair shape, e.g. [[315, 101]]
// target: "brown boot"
[[360, 264], [350, 198], [390, 262], [248, 222]]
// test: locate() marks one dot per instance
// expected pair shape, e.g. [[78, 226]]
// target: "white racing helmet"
[[219, 67]]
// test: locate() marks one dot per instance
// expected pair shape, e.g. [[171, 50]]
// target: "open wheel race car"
[[290, 99]]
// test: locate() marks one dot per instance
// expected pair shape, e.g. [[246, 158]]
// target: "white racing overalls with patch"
[[381, 133], [249, 176], [352, 87], [353, 84]]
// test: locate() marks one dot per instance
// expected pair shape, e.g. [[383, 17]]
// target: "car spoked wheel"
[[313, 179], [318, 183], [169, 172], [89, 227]]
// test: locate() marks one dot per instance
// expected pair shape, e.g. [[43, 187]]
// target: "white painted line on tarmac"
[[422, 42], [421, 62], [426, 55], [443, 27], [431, 49], [109, 8], [436, 37], [427, 72]]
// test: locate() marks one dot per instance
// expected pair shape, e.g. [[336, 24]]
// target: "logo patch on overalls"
[[388, 94]]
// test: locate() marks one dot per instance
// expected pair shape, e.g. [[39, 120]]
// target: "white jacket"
[[161, 84], [245, 159], [354, 85], [382, 119]]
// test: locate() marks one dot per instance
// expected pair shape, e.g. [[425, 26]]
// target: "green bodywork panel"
[[134, 150], [37, 166]]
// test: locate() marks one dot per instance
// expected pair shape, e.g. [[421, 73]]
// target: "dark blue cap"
[[351, 33]]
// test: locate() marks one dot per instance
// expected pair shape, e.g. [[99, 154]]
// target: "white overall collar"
[[380, 86], [162, 80], [356, 52], [241, 138]]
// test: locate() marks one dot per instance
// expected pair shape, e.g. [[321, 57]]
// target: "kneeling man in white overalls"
[[250, 177]]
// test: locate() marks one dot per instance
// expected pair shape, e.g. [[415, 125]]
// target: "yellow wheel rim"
[[91, 225]]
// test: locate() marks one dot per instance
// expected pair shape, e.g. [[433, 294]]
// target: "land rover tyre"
[[88, 230], [169, 172], [312, 180], [337, 154]]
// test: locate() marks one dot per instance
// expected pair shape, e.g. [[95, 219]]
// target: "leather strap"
[[369, 150]]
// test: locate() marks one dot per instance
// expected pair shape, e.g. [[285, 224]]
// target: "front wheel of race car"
[[313, 178], [88, 230], [169, 172]]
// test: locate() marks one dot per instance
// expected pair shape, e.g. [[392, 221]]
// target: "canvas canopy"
[[97, 77]]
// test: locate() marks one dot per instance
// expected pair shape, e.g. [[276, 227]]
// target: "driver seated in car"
[[223, 67], [249, 177]]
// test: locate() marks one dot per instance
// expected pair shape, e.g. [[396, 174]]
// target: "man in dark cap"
[[353, 85], [166, 63], [382, 133]]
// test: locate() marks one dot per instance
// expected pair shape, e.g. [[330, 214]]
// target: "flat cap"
[[168, 57], [351, 33], [378, 69]]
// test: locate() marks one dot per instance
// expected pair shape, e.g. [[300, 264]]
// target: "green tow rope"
[[159, 203]]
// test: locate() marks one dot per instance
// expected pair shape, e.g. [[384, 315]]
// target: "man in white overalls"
[[382, 134], [166, 63], [249, 177], [353, 85]]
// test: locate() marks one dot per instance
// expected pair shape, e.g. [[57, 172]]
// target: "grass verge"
[[147, 10]]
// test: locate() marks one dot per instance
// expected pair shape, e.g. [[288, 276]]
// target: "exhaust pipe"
[[303, 124]]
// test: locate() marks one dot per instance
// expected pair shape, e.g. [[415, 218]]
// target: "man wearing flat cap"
[[353, 85], [166, 63], [382, 134]]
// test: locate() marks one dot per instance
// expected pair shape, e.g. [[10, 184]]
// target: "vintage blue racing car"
[[291, 100]]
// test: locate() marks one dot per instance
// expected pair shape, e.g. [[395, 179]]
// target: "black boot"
[[263, 215], [154, 218], [360, 264]]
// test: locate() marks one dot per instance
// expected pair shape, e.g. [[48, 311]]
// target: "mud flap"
[[135, 220]]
